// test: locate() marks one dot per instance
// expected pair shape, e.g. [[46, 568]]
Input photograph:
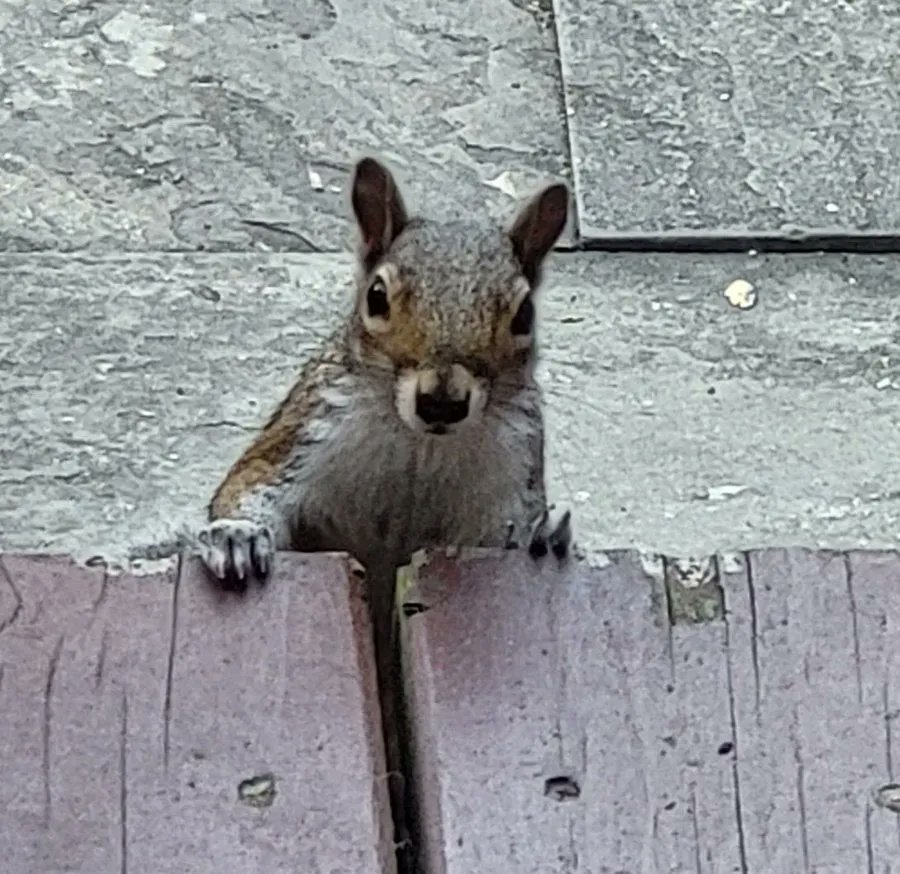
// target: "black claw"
[[233, 583], [537, 548], [562, 536], [560, 549], [259, 562]]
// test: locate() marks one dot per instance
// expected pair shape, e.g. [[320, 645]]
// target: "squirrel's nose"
[[437, 409]]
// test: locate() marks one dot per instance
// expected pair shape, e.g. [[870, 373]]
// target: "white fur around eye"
[[523, 340], [378, 324]]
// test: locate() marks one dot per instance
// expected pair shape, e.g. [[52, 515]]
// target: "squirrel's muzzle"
[[438, 410], [435, 400]]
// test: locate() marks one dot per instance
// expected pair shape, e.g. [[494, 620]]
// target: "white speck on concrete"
[[741, 294]]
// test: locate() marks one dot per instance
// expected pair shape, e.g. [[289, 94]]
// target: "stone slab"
[[732, 117], [233, 125], [602, 738], [141, 719], [676, 421]]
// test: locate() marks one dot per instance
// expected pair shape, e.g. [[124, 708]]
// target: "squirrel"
[[419, 423]]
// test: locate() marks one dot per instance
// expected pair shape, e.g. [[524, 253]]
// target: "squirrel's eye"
[[377, 300], [523, 320]]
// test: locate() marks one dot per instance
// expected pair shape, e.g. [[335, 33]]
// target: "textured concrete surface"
[[600, 738], [730, 116], [232, 125], [151, 725], [676, 421]]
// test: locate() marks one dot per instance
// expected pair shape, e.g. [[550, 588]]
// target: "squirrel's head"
[[447, 309]]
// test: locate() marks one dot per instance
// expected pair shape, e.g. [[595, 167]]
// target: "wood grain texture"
[[141, 719], [560, 723], [516, 680], [813, 639]]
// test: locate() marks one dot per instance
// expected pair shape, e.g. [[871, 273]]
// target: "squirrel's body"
[[418, 423], [334, 469]]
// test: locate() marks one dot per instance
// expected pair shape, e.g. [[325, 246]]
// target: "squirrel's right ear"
[[538, 227], [378, 207]]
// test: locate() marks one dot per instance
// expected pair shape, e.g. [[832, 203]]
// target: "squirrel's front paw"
[[551, 532], [235, 550]]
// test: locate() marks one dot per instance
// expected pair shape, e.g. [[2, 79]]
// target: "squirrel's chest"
[[379, 485]]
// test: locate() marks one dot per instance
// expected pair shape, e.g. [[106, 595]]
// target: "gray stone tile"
[[675, 421], [680, 422], [727, 116], [233, 125]]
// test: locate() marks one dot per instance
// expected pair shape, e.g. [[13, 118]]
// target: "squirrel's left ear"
[[538, 227], [378, 207]]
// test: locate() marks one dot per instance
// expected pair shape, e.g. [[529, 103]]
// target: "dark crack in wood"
[[101, 658], [104, 591], [735, 771], [854, 624], [888, 718], [17, 597], [698, 857], [170, 663], [123, 788], [47, 727], [870, 852], [754, 639], [663, 613], [801, 793]]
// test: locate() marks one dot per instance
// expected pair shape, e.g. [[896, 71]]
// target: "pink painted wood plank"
[[875, 581], [559, 724], [752, 744], [141, 719], [814, 639]]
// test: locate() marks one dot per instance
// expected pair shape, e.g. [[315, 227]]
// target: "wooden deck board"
[[811, 639], [752, 744], [559, 721], [132, 710]]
